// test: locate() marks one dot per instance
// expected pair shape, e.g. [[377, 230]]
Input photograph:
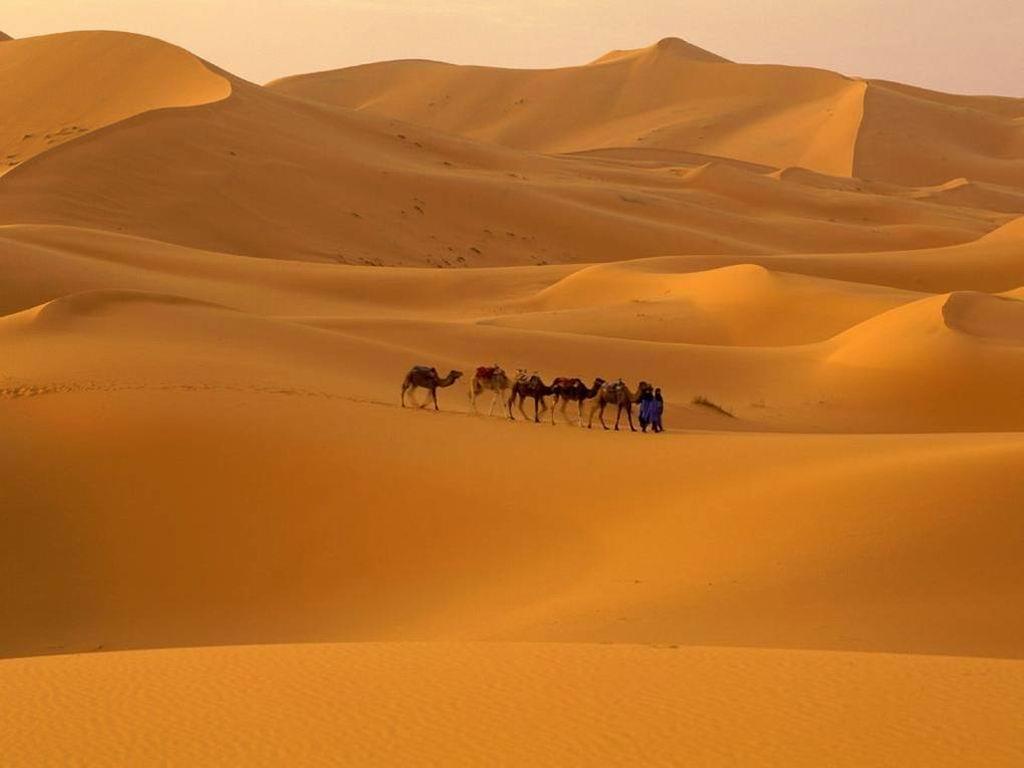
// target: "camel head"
[[641, 388], [450, 379]]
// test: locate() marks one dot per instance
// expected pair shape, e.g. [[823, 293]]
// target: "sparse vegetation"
[[703, 401]]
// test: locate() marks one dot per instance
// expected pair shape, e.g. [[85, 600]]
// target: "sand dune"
[[509, 704], [744, 304], [281, 425], [990, 264], [910, 135], [59, 88], [675, 96], [262, 174], [4, 37], [715, 333], [308, 543], [211, 290], [662, 96], [670, 47]]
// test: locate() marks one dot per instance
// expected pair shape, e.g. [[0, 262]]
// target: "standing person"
[[657, 409], [646, 409]]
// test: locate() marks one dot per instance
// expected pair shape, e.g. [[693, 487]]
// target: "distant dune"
[[210, 292], [248, 170], [669, 96], [662, 97]]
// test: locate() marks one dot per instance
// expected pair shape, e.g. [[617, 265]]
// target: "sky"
[[951, 45]]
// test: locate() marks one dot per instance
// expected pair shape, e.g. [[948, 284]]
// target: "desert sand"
[[224, 542]]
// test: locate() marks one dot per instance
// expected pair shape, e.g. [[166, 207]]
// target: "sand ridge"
[[115, 77]]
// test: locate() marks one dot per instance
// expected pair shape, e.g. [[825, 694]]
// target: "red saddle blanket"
[[484, 372]]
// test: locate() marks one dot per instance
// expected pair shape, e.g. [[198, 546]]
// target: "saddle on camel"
[[488, 372], [489, 379]]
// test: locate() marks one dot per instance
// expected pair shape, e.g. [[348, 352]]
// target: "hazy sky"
[[957, 45]]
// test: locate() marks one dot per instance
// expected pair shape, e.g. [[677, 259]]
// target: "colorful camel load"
[[563, 390]]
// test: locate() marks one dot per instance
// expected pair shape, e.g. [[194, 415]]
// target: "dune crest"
[[989, 317], [58, 88], [64, 311], [263, 173], [669, 46], [665, 96]]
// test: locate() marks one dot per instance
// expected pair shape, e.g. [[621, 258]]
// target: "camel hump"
[[424, 369]]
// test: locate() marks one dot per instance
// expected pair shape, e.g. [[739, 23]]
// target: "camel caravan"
[[563, 391]]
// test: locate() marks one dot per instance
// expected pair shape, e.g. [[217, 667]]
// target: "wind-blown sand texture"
[[223, 542]]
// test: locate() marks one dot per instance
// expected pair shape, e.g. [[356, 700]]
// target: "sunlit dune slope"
[[503, 704], [674, 96], [57, 88], [43, 262], [856, 355], [744, 305], [662, 96], [670, 46], [162, 408], [263, 174], [914, 136], [990, 264]]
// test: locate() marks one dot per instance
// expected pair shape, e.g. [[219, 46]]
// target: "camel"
[[427, 378], [617, 393], [524, 387], [492, 379], [567, 390]]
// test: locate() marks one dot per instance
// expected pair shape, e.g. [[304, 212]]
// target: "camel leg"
[[629, 416], [536, 410], [565, 417], [579, 404], [558, 401], [600, 415], [472, 396], [433, 394], [404, 387], [490, 411], [520, 406], [618, 415]]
